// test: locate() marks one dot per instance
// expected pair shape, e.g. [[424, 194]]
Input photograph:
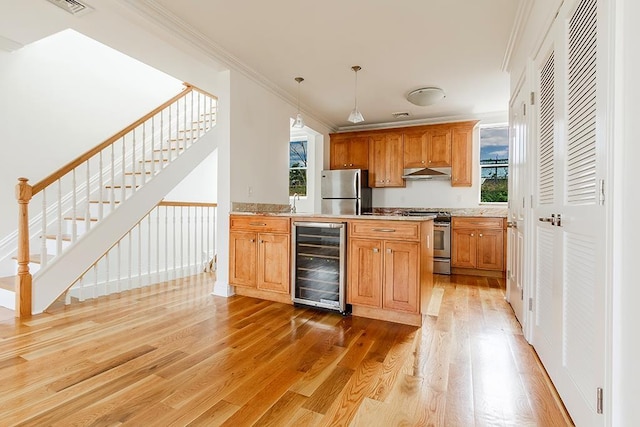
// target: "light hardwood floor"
[[173, 355]]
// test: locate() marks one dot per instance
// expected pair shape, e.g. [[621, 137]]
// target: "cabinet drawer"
[[259, 223], [476, 222], [385, 230]]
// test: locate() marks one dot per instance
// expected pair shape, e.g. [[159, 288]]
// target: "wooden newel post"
[[24, 192]]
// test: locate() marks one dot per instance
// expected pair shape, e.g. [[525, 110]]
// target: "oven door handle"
[[441, 224]]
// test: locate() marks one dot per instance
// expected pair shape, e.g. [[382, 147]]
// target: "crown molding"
[[168, 22], [486, 118], [9, 45], [522, 15]]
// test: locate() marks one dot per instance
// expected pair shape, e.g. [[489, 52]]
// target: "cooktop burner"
[[442, 216]]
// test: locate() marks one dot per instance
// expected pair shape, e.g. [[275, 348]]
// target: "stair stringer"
[[58, 276]]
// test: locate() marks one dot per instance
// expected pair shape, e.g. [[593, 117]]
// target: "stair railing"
[[174, 240], [83, 192]]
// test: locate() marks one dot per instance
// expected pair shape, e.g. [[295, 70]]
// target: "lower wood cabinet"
[[477, 243], [385, 266], [259, 253]]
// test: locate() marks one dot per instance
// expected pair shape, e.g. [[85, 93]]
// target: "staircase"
[[82, 209]]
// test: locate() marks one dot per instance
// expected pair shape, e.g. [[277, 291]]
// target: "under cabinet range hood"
[[427, 173]]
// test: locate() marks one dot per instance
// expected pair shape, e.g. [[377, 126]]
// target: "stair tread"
[[8, 283], [65, 237], [79, 218], [169, 149], [35, 258], [120, 186]]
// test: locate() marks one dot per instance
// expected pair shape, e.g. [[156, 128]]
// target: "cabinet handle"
[[376, 250], [422, 162], [389, 251], [252, 240], [344, 165], [261, 241], [258, 224], [472, 234], [385, 230], [480, 234], [350, 164], [388, 180]]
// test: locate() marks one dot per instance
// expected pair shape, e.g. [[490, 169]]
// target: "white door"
[[518, 143], [569, 314]]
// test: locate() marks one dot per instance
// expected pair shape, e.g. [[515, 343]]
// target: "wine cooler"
[[318, 267]]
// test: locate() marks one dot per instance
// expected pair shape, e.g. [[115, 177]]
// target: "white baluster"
[[119, 267], [130, 257], [87, 211], [124, 172], [74, 207], [156, 210], [100, 188], [166, 243], [43, 238], [112, 191], [59, 220]]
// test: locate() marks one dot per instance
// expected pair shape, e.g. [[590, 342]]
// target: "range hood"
[[427, 173]]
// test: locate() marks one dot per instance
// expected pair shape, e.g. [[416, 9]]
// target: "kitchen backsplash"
[[479, 211], [259, 207]]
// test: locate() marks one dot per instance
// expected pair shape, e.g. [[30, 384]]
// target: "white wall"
[[62, 96], [626, 227]]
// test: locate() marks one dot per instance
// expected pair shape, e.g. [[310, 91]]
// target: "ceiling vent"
[[74, 7], [400, 115]]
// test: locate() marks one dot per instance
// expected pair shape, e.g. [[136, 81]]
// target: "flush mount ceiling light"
[[425, 96], [298, 123], [356, 116]]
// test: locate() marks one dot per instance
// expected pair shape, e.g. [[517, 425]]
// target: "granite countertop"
[[379, 217]]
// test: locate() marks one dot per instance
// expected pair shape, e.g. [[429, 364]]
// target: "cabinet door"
[[339, 156], [273, 262], [401, 276], [377, 161], [490, 249], [415, 149], [461, 147], [365, 273], [463, 248], [439, 147], [242, 258], [393, 160], [359, 153]]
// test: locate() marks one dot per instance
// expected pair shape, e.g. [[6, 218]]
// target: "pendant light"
[[298, 123], [356, 116]]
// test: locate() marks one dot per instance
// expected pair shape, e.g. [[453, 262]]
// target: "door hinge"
[[600, 404], [530, 304], [533, 98], [524, 109], [521, 294], [601, 192]]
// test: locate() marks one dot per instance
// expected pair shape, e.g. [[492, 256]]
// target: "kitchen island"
[[389, 261]]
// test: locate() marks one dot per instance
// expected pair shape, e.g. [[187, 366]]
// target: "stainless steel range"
[[441, 239]]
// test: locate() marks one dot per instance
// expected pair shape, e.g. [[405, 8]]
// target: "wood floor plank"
[[173, 354]]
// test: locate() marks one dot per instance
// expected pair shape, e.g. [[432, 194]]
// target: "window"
[[494, 164], [298, 168]]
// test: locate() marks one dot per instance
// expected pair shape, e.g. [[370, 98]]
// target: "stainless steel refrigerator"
[[345, 192]]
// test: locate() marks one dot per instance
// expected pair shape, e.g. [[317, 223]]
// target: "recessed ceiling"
[[458, 45]]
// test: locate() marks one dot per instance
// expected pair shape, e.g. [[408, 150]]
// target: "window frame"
[[304, 139], [504, 164]]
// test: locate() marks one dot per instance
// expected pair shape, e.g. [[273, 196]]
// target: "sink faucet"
[[293, 207]]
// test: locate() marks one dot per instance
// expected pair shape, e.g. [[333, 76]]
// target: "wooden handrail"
[[204, 92], [198, 204], [95, 150]]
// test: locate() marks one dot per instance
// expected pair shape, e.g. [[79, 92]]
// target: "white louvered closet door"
[[570, 231]]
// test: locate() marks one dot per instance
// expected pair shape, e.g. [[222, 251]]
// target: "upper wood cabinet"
[[385, 153], [428, 146], [349, 152], [462, 154], [385, 160]]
